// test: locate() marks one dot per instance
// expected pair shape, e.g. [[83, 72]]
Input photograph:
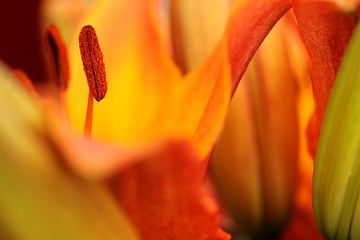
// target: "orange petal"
[[302, 223], [249, 24], [165, 197], [301, 226], [325, 30], [209, 85]]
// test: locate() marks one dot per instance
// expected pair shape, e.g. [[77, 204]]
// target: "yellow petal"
[[147, 99], [197, 27], [65, 14], [140, 76]]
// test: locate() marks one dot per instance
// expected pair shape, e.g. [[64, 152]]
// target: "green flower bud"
[[336, 179]]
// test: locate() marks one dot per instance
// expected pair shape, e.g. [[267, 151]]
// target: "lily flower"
[[157, 94], [148, 100]]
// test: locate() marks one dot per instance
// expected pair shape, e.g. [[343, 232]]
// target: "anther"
[[93, 63], [94, 68]]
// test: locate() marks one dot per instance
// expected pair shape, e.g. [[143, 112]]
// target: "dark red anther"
[[93, 63]]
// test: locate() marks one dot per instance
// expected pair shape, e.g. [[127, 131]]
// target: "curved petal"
[[210, 85], [247, 26], [325, 30], [249, 23], [165, 197]]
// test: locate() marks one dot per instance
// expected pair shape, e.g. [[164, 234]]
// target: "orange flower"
[[150, 99], [163, 110]]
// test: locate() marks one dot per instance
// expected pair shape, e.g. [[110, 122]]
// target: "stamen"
[[88, 118], [58, 57], [94, 68], [93, 63]]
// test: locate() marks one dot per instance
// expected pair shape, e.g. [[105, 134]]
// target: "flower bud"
[[336, 176]]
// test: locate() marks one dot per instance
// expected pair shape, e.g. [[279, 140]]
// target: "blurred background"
[[20, 43]]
